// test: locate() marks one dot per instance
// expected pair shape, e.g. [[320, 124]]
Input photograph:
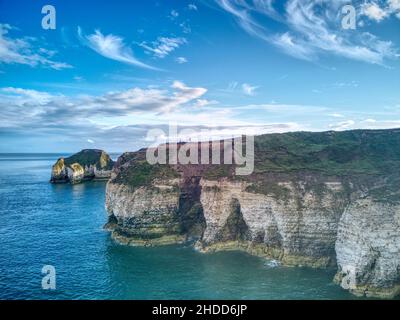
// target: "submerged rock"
[[85, 165]]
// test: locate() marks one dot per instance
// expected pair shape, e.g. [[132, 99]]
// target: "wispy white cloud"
[[238, 87], [204, 102], [351, 84], [311, 29], [163, 46], [181, 60], [287, 43], [78, 78], [19, 107], [192, 6], [394, 5], [173, 14], [342, 125], [186, 28], [249, 89], [336, 115], [26, 97], [368, 123], [26, 51], [373, 11], [112, 47], [380, 9]]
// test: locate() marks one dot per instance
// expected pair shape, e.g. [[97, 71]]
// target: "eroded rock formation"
[[85, 165], [314, 199]]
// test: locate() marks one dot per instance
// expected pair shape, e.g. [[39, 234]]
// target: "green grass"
[[91, 157], [141, 173], [332, 153], [342, 154]]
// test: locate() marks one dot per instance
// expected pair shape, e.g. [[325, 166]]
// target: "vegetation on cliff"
[[87, 164], [312, 197], [332, 153], [338, 154], [91, 157], [141, 173]]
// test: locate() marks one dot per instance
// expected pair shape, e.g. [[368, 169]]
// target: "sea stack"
[[88, 164]]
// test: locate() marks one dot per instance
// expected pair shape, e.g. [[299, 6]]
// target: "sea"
[[61, 226]]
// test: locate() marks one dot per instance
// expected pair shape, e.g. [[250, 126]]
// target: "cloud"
[[342, 125], [279, 108], [112, 47], [287, 43], [117, 120], [186, 28], [385, 124], [163, 46], [249, 89], [192, 6], [26, 107], [336, 115], [351, 84], [394, 5], [245, 88], [120, 120], [204, 102], [374, 11], [26, 97], [173, 14], [310, 30], [181, 60], [380, 10], [368, 123], [25, 51], [78, 78]]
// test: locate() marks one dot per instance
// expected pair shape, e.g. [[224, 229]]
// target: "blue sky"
[[112, 70]]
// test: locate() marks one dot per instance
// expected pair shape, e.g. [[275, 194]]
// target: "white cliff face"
[[75, 173], [297, 233], [316, 227], [147, 215], [311, 200], [368, 248]]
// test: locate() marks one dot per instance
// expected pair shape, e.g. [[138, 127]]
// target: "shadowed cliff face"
[[314, 199]]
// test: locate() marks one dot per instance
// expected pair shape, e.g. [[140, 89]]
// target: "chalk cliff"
[[328, 199], [85, 165]]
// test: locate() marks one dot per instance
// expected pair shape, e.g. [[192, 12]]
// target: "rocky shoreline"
[[346, 215]]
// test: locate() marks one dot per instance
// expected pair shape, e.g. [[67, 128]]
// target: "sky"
[[111, 71]]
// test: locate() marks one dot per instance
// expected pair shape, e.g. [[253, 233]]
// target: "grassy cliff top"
[[88, 157], [333, 153], [346, 154]]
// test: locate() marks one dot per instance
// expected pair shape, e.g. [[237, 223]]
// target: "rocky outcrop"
[[85, 165], [368, 248], [319, 200]]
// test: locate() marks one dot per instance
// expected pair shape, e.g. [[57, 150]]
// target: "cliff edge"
[[329, 199]]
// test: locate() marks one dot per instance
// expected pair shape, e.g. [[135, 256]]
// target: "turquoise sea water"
[[61, 225]]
